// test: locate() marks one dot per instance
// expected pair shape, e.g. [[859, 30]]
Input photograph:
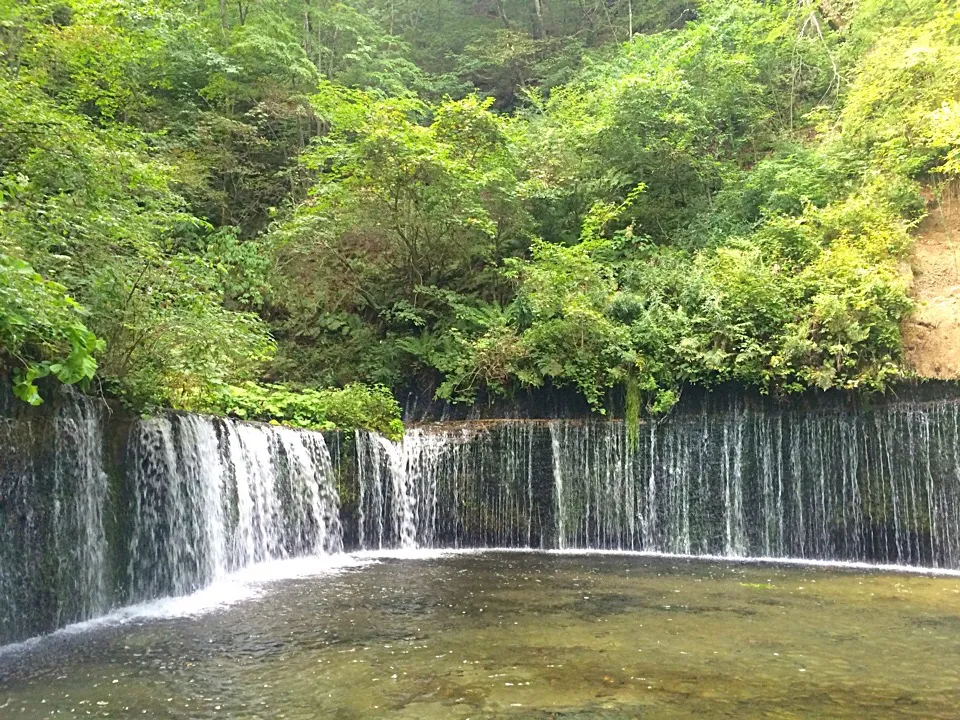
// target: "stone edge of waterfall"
[[564, 403]]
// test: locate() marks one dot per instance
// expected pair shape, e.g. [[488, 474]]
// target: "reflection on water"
[[523, 635]]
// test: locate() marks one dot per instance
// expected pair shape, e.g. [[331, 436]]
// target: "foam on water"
[[427, 554], [240, 586]]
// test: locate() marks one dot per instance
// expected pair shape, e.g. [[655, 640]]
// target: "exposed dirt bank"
[[932, 333]]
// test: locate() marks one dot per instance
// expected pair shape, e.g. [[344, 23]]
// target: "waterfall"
[[451, 486], [98, 509], [828, 484], [98, 512], [212, 496], [398, 488], [556, 447], [53, 493], [79, 500], [825, 485]]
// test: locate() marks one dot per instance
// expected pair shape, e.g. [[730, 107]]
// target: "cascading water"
[[213, 496], [178, 501], [98, 511], [52, 498], [828, 484], [79, 500], [457, 486]]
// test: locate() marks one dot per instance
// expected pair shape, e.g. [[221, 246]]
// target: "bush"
[[41, 330], [355, 406]]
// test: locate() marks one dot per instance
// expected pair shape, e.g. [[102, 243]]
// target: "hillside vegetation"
[[287, 209]]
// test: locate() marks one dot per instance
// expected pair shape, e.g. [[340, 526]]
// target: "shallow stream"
[[515, 635]]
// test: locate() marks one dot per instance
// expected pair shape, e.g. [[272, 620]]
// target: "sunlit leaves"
[[899, 108]]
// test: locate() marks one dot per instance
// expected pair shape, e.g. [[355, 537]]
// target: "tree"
[[403, 209], [200, 197]]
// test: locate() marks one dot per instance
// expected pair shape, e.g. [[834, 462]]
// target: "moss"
[[631, 410]]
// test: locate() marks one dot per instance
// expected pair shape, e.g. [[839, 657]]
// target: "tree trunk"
[[539, 32], [630, 15], [223, 15], [307, 29], [502, 12]]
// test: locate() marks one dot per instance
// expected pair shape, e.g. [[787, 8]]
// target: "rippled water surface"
[[522, 635]]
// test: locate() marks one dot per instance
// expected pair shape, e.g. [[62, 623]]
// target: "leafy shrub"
[[170, 339], [312, 191], [42, 330], [355, 406], [900, 109]]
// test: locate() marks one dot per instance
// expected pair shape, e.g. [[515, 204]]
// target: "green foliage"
[[631, 411], [355, 406], [92, 204], [401, 210], [41, 331], [197, 197], [902, 108], [170, 339], [702, 216], [678, 112], [571, 337], [509, 62]]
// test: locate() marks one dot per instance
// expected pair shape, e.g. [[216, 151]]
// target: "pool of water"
[[520, 635]]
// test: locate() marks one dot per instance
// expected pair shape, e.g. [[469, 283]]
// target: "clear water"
[[521, 635]]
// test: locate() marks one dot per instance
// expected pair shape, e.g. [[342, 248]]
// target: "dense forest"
[[293, 209]]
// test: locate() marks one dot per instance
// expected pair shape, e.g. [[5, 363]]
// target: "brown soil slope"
[[931, 335]]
